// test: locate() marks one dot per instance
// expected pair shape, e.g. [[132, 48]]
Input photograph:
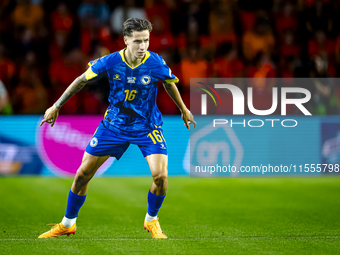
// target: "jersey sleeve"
[[164, 73], [96, 68]]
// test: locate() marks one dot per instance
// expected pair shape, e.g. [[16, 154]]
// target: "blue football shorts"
[[107, 142]]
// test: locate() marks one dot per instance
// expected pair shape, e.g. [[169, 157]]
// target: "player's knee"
[[80, 179], [161, 180], [83, 177]]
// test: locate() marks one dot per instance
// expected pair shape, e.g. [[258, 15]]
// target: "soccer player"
[[131, 118]]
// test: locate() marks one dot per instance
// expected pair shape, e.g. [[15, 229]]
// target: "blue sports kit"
[[132, 116]]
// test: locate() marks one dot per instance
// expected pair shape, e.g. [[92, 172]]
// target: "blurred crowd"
[[45, 45]]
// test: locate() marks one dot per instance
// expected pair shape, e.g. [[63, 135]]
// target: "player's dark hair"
[[135, 24]]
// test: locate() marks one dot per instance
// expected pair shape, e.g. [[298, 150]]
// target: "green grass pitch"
[[200, 216]]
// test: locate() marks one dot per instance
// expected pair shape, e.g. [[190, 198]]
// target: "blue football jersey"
[[133, 91]]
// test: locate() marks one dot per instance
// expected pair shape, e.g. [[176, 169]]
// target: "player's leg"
[[103, 143], [77, 196], [85, 172], [158, 164]]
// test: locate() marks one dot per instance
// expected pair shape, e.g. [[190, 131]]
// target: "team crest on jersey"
[[131, 79], [146, 79], [94, 142]]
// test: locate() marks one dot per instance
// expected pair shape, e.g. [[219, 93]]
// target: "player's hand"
[[50, 116], [188, 118]]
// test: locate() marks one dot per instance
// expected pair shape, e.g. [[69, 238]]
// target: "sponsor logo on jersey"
[[116, 77], [162, 146], [146, 79], [131, 79], [94, 142]]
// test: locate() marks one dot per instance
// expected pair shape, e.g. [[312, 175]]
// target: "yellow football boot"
[[155, 229], [58, 230]]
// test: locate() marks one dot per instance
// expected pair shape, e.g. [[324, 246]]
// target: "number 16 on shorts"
[[156, 136]]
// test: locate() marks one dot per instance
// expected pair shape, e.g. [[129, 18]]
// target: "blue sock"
[[155, 202], [74, 203]]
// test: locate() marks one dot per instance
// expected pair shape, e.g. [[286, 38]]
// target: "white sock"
[[68, 222], [149, 218]]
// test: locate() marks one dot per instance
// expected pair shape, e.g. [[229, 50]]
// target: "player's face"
[[138, 43]]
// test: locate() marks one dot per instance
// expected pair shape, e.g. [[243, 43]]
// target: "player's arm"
[[52, 113], [173, 92]]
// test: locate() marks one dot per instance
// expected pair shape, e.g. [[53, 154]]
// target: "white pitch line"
[[172, 239]]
